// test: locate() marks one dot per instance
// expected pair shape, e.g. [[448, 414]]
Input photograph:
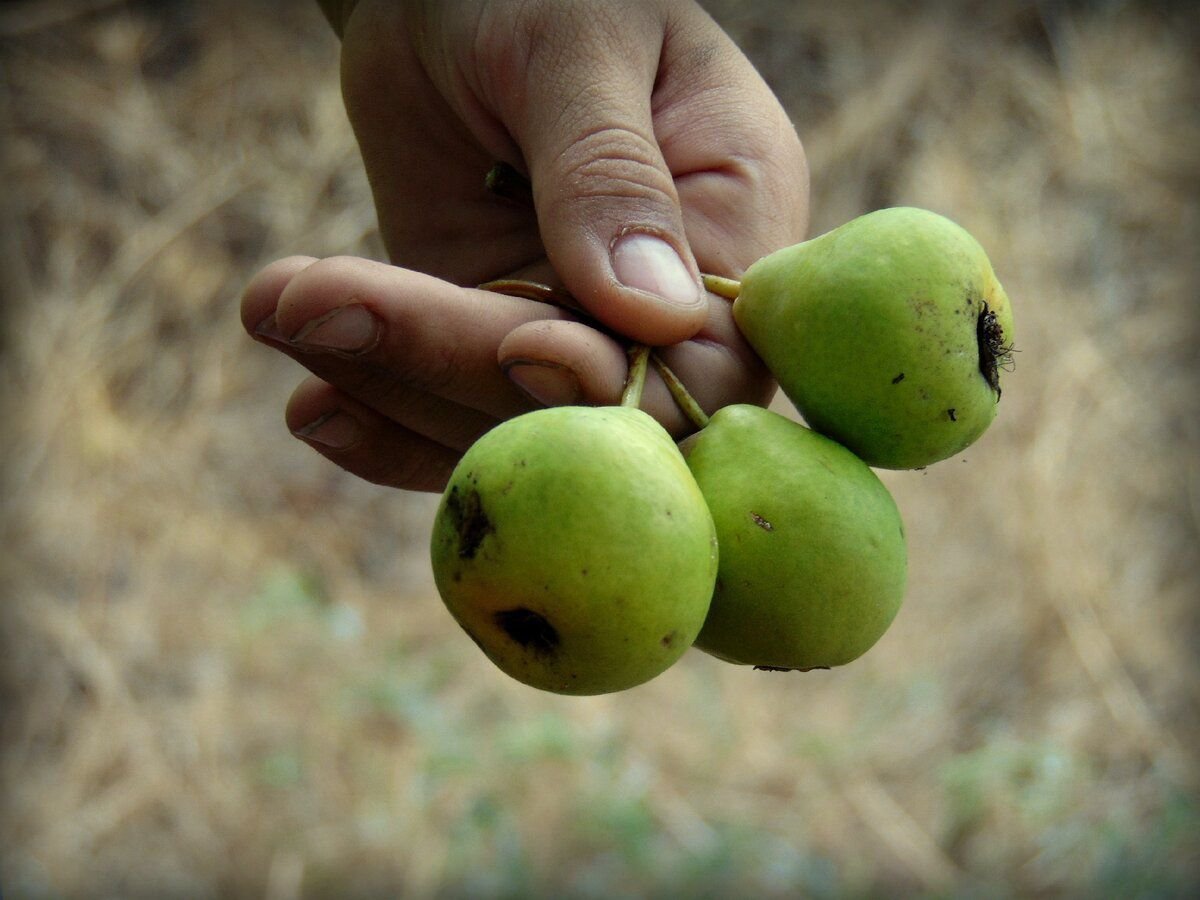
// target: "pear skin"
[[888, 334], [574, 546], [813, 558]]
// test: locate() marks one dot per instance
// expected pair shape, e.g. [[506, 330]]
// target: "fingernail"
[[347, 329], [268, 328], [335, 430], [650, 264], [547, 383]]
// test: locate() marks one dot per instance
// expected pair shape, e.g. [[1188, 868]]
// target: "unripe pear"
[[888, 334], [574, 546], [813, 560]]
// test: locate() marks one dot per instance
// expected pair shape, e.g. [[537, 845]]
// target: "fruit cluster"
[[584, 551]]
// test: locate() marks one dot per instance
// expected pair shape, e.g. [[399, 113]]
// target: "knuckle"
[[391, 381], [612, 162], [375, 384], [411, 470]]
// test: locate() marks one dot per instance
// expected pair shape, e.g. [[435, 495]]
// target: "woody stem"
[[635, 381]]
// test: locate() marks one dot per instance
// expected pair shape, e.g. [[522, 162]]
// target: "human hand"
[[654, 150]]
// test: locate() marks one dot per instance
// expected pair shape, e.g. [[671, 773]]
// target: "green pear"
[[813, 560], [574, 546], [887, 333]]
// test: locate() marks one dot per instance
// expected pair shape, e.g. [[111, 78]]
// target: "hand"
[[654, 151]]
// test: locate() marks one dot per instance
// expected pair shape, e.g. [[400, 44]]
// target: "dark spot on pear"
[[529, 629], [761, 522], [994, 353], [470, 521], [953, 414], [899, 378], [668, 639]]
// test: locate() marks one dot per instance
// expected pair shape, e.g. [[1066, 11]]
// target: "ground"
[[226, 671]]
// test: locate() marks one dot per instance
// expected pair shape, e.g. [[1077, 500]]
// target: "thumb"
[[607, 207]]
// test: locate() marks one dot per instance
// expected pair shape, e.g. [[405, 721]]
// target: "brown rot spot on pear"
[[994, 353], [899, 378], [471, 523], [529, 629], [761, 522], [669, 638]]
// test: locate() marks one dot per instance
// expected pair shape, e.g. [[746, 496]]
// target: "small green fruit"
[[887, 333], [813, 558], [574, 546]]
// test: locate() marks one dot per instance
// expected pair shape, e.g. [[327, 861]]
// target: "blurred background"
[[226, 672]]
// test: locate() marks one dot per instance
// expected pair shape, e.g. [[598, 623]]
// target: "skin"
[[873, 331], [636, 117], [574, 547], [813, 560]]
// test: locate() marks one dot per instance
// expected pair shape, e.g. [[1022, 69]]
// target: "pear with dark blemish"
[[813, 559], [574, 546], [888, 333]]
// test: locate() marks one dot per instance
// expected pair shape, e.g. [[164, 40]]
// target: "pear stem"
[[533, 290], [683, 397], [635, 381], [729, 288]]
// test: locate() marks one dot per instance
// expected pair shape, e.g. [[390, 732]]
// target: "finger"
[[261, 294], [739, 166], [426, 169], [596, 366], [389, 337], [564, 362], [560, 363], [718, 366], [365, 443], [606, 202], [444, 422]]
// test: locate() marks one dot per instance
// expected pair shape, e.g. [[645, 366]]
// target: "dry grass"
[[225, 669]]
